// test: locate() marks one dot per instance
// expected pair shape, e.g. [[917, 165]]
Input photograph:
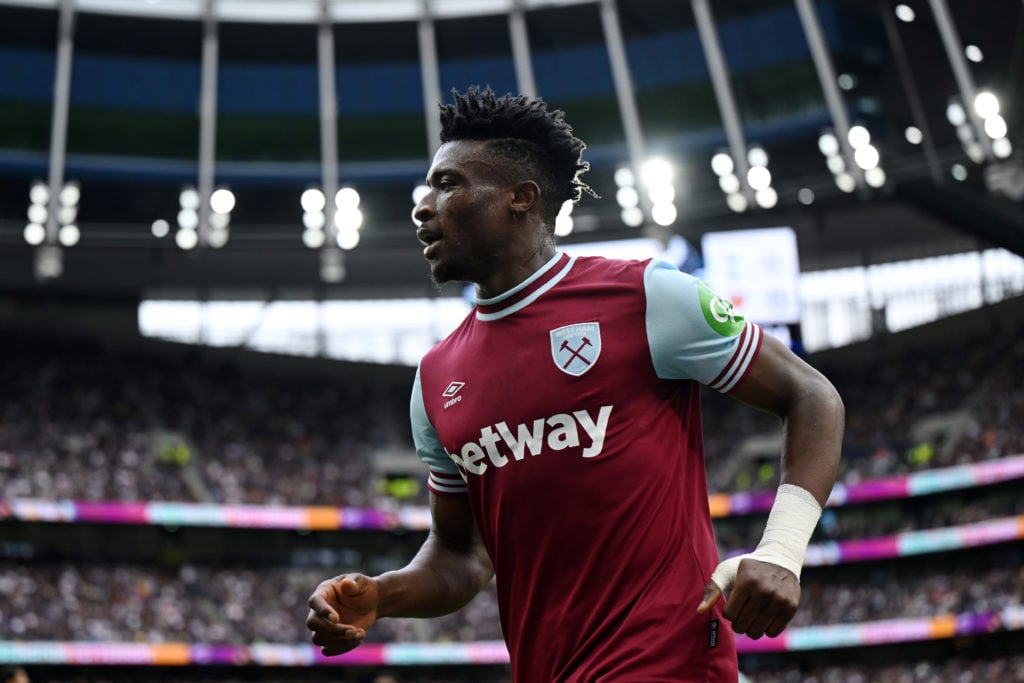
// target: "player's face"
[[464, 219]]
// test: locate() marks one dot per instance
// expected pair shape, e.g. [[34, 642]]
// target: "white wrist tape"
[[791, 522]]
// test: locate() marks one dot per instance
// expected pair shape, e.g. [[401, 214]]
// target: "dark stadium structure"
[[166, 509]]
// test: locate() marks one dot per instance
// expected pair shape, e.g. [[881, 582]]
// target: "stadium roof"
[[133, 127]]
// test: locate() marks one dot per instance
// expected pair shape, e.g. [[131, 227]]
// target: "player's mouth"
[[431, 238]]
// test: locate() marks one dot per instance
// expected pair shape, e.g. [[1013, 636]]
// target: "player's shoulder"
[[610, 268], [457, 338]]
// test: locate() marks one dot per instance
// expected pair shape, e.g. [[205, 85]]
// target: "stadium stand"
[[166, 509], [108, 411]]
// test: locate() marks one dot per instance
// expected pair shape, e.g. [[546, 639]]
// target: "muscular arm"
[[811, 411], [765, 594], [450, 568], [448, 571]]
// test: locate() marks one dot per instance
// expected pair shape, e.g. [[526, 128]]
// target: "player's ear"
[[525, 196]]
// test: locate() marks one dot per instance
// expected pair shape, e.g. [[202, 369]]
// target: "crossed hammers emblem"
[[575, 353]]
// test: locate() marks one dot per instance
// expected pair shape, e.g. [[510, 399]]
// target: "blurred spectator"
[[956, 670], [201, 604]]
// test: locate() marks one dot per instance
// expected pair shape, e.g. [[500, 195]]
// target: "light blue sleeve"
[[424, 436], [693, 332]]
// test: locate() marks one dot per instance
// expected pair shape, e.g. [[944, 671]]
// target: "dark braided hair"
[[522, 131]]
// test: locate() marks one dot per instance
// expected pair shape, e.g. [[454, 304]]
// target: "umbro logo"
[[450, 393], [453, 389]]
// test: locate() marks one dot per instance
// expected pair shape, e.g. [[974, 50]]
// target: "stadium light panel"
[[905, 13], [662, 194], [219, 221], [729, 183], [859, 136], [313, 220], [766, 198], [866, 157], [656, 172], [722, 164], [737, 202], [160, 228], [34, 234], [875, 177], [759, 178], [845, 182], [828, 144], [955, 114], [37, 213], [624, 177], [627, 196], [995, 127], [69, 195], [217, 237], [188, 219], [347, 197], [313, 238], [222, 200], [189, 198], [1002, 148], [986, 104], [418, 193], [39, 193], [313, 200], [69, 235], [664, 214], [186, 238], [633, 216], [348, 237], [757, 156]]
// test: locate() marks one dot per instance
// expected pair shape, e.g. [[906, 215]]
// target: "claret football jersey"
[[567, 409]]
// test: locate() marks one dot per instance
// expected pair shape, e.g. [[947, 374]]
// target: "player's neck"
[[518, 269]]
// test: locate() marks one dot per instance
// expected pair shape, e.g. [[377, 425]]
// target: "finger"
[[341, 647], [735, 604], [712, 594], [353, 585], [758, 613], [325, 630], [319, 606], [330, 622], [778, 625], [725, 573], [754, 620], [349, 634]]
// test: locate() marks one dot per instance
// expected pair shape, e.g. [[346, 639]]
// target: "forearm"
[[813, 426], [439, 580]]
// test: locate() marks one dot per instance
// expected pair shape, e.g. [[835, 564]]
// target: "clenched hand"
[[340, 611], [763, 599]]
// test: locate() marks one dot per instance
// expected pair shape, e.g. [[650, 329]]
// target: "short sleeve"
[[444, 477], [693, 332]]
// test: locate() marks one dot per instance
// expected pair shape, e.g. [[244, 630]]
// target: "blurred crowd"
[[909, 411], [947, 670], [883, 519], [956, 670], [133, 603], [195, 604], [83, 421], [984, 580]]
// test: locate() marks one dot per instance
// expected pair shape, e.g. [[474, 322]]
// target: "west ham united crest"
[[575, 348]]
